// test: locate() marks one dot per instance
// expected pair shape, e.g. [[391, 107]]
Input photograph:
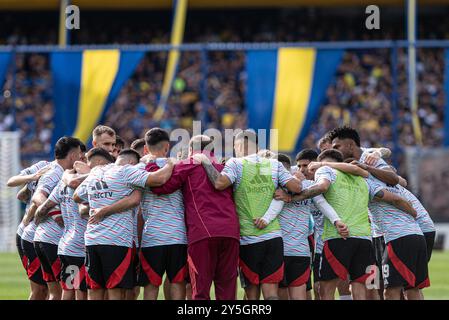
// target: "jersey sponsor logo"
[[100, 188]]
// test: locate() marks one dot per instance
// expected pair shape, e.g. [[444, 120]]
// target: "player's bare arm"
[[318, 188], [24, 194], [39, 197], [160, 177], [218, 180], [77, 198], [344, 167], [42, 211], [29, 215], [129, 202], [403, 182], [387, 176], [375, 154], [395, 200], [20, 180], [73, 179]]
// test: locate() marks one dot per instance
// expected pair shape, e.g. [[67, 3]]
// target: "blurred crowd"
[[211, 86]]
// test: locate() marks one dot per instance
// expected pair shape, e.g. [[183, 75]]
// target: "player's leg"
[[344, 290], [328, 288], [167, 289], [334, 264], [361, 268], [272, 268], [297, 275], [420, 270], [94, 275], [38, 286], [68, 291], [226, 266], [250, 257], [201, 268], [316, 276], [153, 264], [177, 270], [20, 251], [133, 294], [399, 267], [117, 269], [50, 263]]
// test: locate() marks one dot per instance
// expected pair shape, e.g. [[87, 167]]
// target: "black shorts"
[[296, 271], [316, 267], [109, 267], [34, 270], [136, 265], [405, 263], [22, 255], [352, 258], [430, 241], [157, 260], [48, 256], [73, 273], [263, 262], [379, 249]]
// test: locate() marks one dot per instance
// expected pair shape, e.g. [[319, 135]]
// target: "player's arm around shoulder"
[[395, 200], [161, 176]]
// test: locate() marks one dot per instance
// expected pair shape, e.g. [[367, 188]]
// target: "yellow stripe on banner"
[[173, 56], [99, 68], [294, 81]]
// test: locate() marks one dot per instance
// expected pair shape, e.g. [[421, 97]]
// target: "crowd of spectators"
[[213, 90]]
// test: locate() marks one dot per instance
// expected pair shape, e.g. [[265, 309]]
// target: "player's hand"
[[39, 216], [59, 221], [342, 229], [372, 158], [97, 216], [27, 219], [147, 158], [260, 223], [282, 195], [360, 164], [314, 165], [299, 175], [200, 158], [40, 173], [81, 167]]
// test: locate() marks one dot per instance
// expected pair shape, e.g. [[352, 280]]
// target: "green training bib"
[[253, 197], [349, 196]]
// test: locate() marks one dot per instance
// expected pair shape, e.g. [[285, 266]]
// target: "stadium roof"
[[165, 4]]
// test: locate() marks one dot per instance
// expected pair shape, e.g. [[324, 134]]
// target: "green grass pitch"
[[14, 284]]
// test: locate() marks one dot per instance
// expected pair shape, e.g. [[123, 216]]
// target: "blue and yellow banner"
[[5, 60], [285, 89], [86, 83]]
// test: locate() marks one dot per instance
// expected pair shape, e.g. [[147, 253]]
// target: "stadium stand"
[[360, 93]]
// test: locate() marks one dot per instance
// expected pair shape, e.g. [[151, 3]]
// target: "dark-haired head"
[[303, 159], [67, 151], [98, 156], [138, 145], [324, 143], [128, 156], [157, 141], [331, 155], [346, 140], [285, 160]]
